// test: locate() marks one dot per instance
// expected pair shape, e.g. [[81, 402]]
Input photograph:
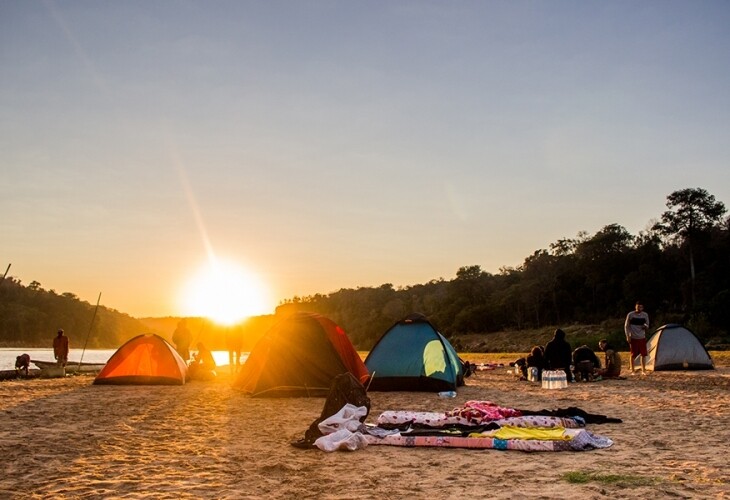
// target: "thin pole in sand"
[[6, 272], [89, 332], [372, 376]]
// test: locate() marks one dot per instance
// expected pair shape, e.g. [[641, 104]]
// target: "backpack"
[[345, 388]]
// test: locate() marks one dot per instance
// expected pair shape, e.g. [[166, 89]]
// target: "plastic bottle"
[[447, 394], [562, 380]]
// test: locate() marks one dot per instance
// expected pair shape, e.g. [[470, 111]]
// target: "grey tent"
[[674, 347]]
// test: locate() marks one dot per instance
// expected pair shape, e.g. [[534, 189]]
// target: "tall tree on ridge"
[[691, 211]]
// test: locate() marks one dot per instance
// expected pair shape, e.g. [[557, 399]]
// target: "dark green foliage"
[[30, 317], [584, 280]]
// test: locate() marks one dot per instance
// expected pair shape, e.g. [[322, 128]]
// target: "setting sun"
[[224, 292]]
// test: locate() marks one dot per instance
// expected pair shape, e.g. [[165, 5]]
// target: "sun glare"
[[225, 293]]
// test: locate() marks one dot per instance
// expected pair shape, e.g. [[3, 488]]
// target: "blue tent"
[[413, 356]]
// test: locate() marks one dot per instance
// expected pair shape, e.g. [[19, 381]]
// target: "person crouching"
[[22, 364]]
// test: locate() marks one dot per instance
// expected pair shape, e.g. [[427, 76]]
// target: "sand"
[[66, 438]]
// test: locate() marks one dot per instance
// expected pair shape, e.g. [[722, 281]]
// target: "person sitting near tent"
[[60, 348], [202, 367], [558, 354], [536, 359], [613, 361], [22, 364], [585, 362]]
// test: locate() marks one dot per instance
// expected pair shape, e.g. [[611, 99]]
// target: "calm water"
[[8, 355]]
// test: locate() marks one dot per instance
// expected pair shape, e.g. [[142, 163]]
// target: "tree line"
[[679, 267], [30, 317]]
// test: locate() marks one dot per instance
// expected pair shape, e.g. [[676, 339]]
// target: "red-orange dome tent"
[[299, 356], [144, 360]]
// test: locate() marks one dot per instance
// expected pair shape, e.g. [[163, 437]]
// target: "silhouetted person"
[[233, 343], [60, 348], [202, 367], [181, 339], [22, 364], [585, 362], [558, 354]]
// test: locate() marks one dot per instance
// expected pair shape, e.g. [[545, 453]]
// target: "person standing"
[[233, 343], [559, 355], [635, 327], [181, 339], [60, 348]]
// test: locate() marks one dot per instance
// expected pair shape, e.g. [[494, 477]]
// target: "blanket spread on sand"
[[478, 425], [475, 413], [577, 440]]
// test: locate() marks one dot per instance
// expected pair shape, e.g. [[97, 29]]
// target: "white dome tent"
[[674, 347]]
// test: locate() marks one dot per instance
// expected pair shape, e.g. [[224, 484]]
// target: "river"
[[8, 355]]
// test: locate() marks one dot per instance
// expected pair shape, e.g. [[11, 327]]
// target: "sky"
[[321, 145]]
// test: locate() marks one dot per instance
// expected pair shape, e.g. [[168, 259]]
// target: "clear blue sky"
[[337, 144]]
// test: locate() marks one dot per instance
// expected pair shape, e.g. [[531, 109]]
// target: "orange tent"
[[145, 360], [299, 356]]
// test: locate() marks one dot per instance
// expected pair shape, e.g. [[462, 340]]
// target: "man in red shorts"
[[635, 327]]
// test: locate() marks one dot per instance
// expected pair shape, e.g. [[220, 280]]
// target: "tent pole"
[[89, 332]]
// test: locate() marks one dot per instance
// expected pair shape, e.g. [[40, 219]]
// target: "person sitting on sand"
[[585, 362], [536, 359], [520, 365], [22, 364], [202, 367], [558, 354], [612, 360]]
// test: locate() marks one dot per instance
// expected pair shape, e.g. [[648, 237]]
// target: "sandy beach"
[[66, 438]]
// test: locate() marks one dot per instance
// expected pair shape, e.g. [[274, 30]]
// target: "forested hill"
[[679, 268], [30, 317]]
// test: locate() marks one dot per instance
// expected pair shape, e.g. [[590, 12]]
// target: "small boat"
[[13, 374], [71, 366]]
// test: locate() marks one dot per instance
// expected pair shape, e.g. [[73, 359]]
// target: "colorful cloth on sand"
[[475, 413], [580, 440], [538, 433], [482, 411]]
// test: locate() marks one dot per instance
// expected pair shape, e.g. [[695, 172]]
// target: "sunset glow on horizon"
[[225, 292]]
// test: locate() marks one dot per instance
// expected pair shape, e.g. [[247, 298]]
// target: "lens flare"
[[225, 292]]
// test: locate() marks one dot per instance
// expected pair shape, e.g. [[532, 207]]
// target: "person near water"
[[203, 366], [233, 343], [22, 364], [60, 348]]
